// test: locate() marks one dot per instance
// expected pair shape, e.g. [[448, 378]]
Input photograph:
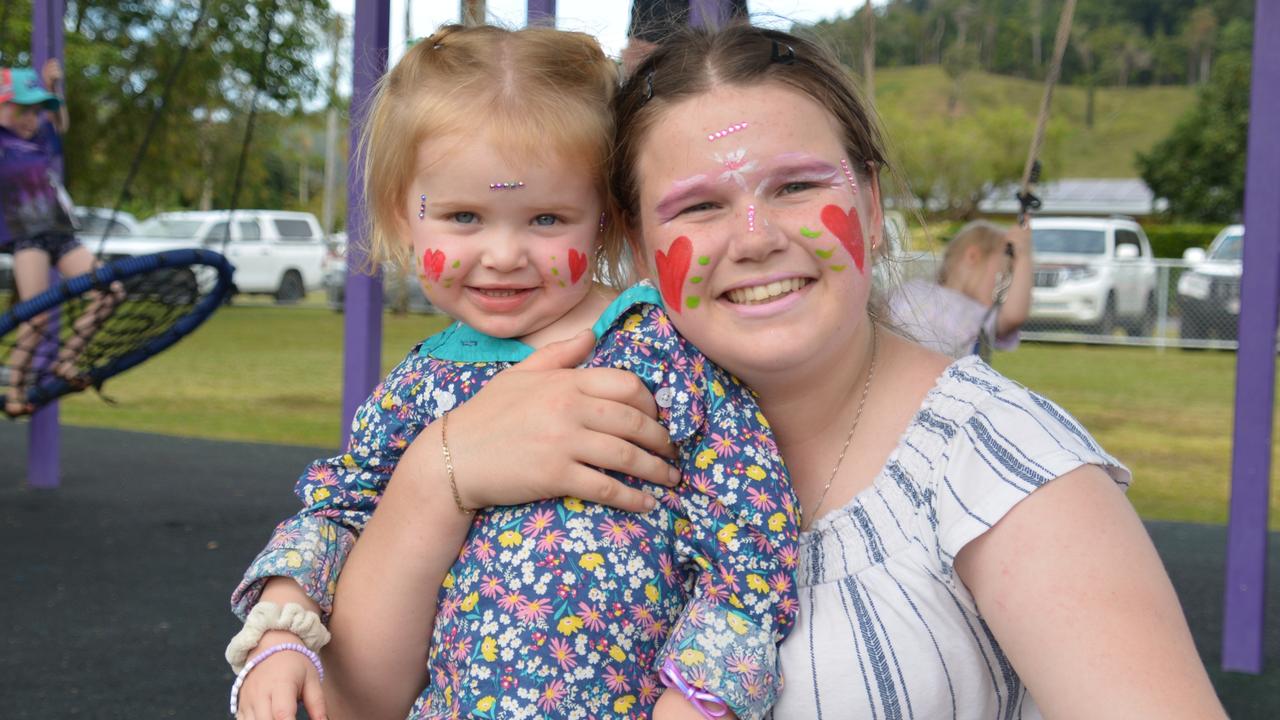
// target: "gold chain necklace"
[[866, 388]]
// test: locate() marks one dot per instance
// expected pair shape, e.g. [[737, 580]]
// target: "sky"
[[606, 19]]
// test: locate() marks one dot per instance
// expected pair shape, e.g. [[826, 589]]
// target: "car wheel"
[[291, 289], [1144, 325], [1106, 324]]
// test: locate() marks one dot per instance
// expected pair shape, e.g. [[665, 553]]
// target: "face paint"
[[811, 234], [848, 175], [736, 127], [751, 218], [432, 264], [422, 206], [515, 185], [577, 265], [736, 166], [848, 230], [673, 266]]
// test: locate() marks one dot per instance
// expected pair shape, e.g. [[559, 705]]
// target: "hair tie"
[[648, 87], [779, 56]]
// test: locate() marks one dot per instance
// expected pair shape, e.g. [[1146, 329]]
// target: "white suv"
[[273, 251], [1094, 273]]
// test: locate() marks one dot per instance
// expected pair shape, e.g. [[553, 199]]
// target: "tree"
[[1200, 167]]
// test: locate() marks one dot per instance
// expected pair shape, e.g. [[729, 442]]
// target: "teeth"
[[500, 293], [764, 293]]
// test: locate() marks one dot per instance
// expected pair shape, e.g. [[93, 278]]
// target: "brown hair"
[[537, 91], [692, 62], [987, 237]]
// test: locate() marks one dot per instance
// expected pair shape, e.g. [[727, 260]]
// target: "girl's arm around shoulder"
[[1072, 587]]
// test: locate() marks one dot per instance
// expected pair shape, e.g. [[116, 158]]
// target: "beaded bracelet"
[[257, 660]]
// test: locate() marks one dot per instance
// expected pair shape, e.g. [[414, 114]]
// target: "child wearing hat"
[[36, 220]]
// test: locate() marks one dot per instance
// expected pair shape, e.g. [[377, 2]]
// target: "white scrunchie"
[[270, 616]]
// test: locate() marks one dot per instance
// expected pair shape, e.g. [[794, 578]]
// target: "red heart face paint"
[[577, 265], [847, 228], [433, 264], [673, 266]]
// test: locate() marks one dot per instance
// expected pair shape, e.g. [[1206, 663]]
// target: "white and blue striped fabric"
[[886, 629]]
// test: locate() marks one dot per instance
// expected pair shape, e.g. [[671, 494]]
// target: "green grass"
[[270, 374], [1126, 120]]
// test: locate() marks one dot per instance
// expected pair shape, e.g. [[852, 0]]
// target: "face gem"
[[848, 174], [736, 127], [514, 185], [422, 206]]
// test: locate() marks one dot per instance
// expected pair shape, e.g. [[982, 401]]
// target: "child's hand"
[[272, 689], [51, 73], [1019, 236], [540, 430]]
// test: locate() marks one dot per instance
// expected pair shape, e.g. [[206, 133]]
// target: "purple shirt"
[[32, 198]]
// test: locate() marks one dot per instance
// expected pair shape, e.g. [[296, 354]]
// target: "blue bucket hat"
[[22, 86]]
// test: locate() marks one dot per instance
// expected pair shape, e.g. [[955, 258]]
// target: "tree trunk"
[[869, 54], [1037, 22], [1206, 58]]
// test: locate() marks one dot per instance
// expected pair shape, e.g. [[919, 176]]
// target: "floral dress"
[[564, 608]]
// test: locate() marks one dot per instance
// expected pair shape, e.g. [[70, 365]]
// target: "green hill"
[[1126, 120]]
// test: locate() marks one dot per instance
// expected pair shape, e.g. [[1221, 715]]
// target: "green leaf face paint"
[[810, 233], [457, 264], [824, 254], [695, 280], [692, 301], [704, 260]]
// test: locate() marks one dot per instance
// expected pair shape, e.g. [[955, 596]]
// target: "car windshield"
[[1077, 242], [167, 229], [93, 225], [1228, 248]]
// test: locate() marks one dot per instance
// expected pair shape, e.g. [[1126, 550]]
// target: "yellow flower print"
[[760, 418], [485, 704], [651, 592], [692, 657], [569, 624], [734, 601], [573, 504], [448, 581], [624, 703], [469, 602], [591, 561], [757, 583], [705, 458], [510, 538], [369, 493], [319, 494], [388, 401], [703, 563], [777, 521], [617, 653], [293, 559], [755, 472], [717, 388], [632, 322], [682, 526], [728, 533], [737, 624], [349, 462], [328, 532], [489, 649]]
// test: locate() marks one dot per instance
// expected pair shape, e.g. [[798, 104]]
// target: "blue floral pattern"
[[565, 608]]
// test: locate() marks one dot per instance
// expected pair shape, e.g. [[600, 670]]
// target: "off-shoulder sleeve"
[[740, 530], [1013, 443], [340, 493]]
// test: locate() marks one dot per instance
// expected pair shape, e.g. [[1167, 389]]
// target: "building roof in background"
[[1081, 196]]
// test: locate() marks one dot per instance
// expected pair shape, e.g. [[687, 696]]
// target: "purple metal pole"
[[44, 435], [710, 14], [1244, 607], [540, 12], [362, 321]]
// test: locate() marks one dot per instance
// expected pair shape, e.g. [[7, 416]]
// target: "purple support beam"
[[540, 12], [710, 14], [1246, 583], [44, 436], [362, 321]]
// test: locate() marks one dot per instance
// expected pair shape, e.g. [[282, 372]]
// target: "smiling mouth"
[[760, 294], [500, 292]]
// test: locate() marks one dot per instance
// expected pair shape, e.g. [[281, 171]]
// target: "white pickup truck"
[[274, 252]]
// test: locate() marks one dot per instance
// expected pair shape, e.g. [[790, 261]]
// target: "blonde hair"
[[987, 237], [537, 91]]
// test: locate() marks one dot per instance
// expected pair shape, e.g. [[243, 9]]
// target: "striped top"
[[886, 628]]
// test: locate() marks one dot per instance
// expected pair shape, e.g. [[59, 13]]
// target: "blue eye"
[[795, 187], [546, 220], [465, 218]]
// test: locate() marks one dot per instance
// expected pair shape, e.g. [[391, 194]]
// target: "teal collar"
[[461, 343]]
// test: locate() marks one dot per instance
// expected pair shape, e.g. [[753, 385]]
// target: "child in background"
[[961, 314], [36, 222], [484, 162]]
